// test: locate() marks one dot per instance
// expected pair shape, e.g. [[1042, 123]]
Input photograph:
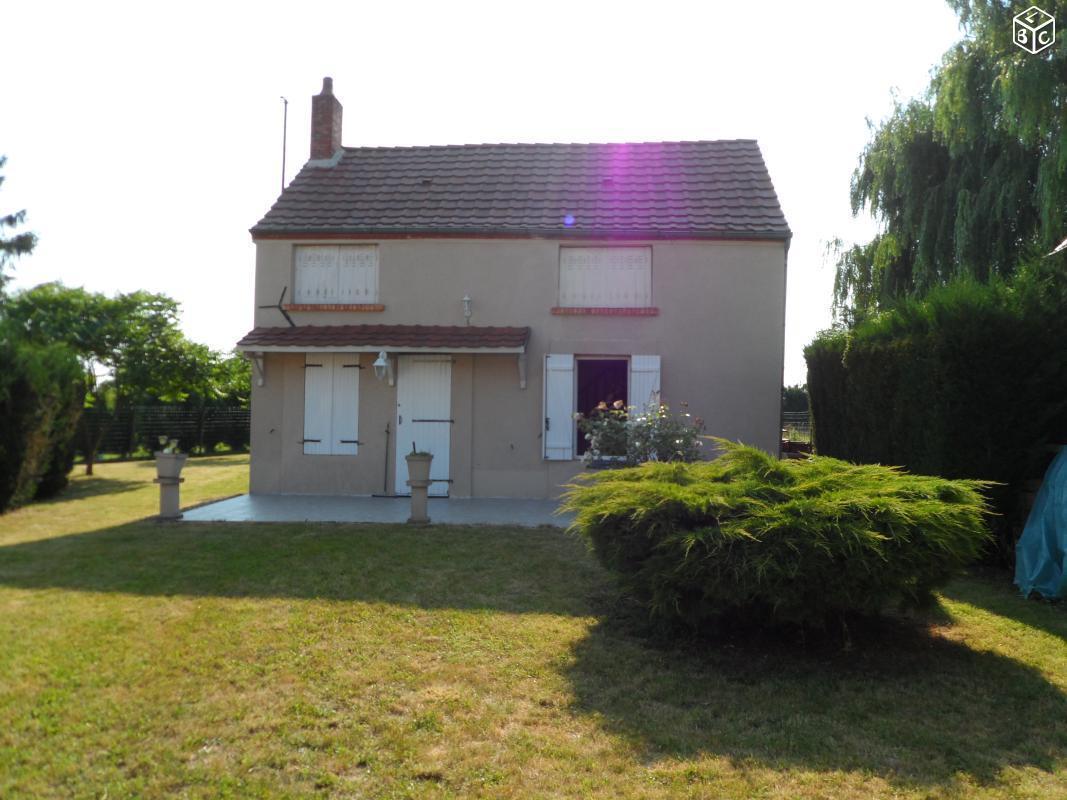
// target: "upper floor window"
[[345, 274], [605, 277]]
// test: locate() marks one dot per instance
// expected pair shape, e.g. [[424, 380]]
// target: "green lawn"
[[140, 659]]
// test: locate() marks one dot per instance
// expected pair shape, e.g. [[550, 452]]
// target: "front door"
[[424, 416]]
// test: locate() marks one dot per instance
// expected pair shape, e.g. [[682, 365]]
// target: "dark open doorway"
[[600, 380]]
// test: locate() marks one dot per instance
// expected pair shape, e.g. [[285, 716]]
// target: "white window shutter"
[[559, 407], [644, 381], [357, 281], [345, 417], [316, 274], [318, 397]]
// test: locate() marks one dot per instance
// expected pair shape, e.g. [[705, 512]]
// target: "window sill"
[[334, 307], [575, 311]]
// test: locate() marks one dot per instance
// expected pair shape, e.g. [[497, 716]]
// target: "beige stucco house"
[[499, 289]]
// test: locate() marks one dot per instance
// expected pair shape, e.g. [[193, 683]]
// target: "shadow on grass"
[[543, 571], [92, 486], [993, 591], [906, 704], [221, 460]]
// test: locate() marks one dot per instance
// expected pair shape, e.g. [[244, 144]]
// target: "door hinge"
[[548, 424]]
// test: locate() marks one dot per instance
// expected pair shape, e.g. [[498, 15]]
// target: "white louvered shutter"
[[357, 279], [316, 274], [559, 407], [318, 398], [345, 417], [644, 381], [605, 277]]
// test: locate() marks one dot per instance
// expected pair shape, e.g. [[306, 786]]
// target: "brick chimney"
[[325, 122]]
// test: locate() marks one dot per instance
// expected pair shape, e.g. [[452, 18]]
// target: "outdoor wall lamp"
[[383, 367]]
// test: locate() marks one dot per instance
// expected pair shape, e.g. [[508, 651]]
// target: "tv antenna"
[[279, 305], [285, 131]]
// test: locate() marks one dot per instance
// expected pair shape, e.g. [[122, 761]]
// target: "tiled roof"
[[386, 336], [653, 190]]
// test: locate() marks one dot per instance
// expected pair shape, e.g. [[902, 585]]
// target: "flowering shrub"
[[657, 435], [630, 436], [605, 431]]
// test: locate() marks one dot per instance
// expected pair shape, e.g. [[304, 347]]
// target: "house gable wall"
[[719, 330]]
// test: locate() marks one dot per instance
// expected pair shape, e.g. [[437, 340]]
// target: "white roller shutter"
[[318, 398], [357, 279], [346, 274], [605, 277], [644, 381], [316, 274], [559, 407], [345, 416]]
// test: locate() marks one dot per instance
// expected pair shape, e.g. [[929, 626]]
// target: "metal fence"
[[140, 427], [796, 426]]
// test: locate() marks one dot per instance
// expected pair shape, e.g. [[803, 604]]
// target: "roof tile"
[[651, 189]]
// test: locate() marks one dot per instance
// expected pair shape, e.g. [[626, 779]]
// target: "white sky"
[[144, 139]]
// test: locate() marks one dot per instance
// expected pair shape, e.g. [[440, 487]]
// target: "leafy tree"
[[84, 321], [795, 398], [134, 336], [19, 244], [233, 380], [968, 179], [134, 342], [209, 380]]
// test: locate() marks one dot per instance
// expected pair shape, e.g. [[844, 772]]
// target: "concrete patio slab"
[[332, 508]]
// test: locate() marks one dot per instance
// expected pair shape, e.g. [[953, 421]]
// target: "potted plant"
[[418, 464], [169, 461]]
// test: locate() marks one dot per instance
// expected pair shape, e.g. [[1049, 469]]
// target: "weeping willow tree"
[[970, 178]]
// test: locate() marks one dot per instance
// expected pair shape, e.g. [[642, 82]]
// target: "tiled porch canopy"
[[372, 338]]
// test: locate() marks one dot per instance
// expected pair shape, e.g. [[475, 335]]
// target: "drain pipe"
[[385, 475]]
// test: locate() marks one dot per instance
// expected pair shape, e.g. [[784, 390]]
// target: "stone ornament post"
[[419, 481], [168, 476]]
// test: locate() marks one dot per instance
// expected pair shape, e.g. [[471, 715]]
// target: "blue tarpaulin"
[[1041, 554]]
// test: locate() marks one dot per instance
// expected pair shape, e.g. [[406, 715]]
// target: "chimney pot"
[[325, 122]]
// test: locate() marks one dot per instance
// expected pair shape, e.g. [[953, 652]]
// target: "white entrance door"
[[424, 416]]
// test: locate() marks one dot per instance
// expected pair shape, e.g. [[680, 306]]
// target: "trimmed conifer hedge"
[[751, 538], [41, 396], [970, 382]]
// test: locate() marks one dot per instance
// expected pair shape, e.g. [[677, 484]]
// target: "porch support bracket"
[[521, 360], [260, 369]]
